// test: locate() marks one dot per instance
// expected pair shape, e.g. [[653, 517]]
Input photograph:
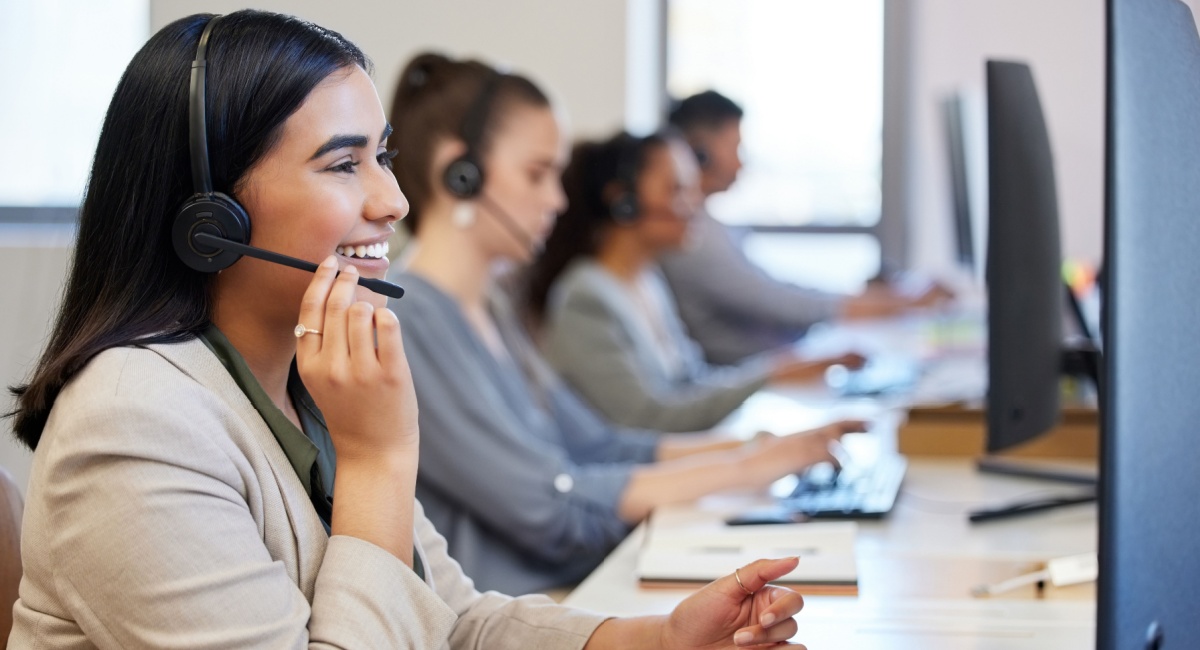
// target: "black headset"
[[625, 207], [464, 175], [212, 230], [206, 211]]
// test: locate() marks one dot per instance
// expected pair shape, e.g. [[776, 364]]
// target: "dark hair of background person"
[[126, 285], [432, 101], [588, 182], [706, 110]]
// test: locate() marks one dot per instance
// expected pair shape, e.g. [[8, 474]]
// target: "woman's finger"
[[336, 309], [312, 306], [758, 635], [839, 429], [389, 346], [782, 604], [754, 576], [360, 335]]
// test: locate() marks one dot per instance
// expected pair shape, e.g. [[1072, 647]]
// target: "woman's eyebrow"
[[340, 142], [351, 141]]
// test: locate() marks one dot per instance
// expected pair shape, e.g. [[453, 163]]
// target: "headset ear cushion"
[[464, 177], [216, 214], [624, 208]]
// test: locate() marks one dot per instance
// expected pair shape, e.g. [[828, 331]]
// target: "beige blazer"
[[162, 513]]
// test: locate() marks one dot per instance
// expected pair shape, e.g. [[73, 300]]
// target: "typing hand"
[[791, 368], [774, 457], [729, 614]]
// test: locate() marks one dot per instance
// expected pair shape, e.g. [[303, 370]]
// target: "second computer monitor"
[[1150, 446], [1024, 259], [953, 113]]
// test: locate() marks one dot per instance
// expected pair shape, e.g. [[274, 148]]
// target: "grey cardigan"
[[732, 308], [162, 513], [593, 338], [521, 477]]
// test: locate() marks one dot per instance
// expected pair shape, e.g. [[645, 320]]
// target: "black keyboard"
[[855, 492]]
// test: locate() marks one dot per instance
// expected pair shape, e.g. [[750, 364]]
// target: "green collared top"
[[309, 449]]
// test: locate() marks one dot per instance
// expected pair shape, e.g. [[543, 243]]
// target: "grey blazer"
[[162, 513], [732, 307], [593, 337], [523, 478]]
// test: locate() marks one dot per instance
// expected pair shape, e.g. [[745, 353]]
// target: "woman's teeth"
[[374, 251]]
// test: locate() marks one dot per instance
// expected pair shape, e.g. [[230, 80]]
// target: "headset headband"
[[475, 120], [197, 120], [629, 153]]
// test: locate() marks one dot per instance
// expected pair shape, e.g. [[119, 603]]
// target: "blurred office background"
[[844, 137]]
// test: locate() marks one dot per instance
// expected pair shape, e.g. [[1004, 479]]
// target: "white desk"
[[916, 569]]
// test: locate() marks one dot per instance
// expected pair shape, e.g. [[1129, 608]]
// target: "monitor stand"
[[993, 465], [1079, 359]]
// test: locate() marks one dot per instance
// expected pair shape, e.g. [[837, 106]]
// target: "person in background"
[[731, 307], [608, 323], [531, 488], [189, 429]]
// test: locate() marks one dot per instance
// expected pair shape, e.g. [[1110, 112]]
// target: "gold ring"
[[301, 330], [739, 581]]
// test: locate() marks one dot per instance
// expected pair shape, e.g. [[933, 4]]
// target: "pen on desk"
[[1036, 577], [1060, 572]]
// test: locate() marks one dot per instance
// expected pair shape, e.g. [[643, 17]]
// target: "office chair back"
[[11, 507]]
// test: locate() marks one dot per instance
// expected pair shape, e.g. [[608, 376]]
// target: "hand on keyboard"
[[791, 367], [799, 451]]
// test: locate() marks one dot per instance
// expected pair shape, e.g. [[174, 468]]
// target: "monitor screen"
[[1150, 443], [953, 114], [1024, 260]]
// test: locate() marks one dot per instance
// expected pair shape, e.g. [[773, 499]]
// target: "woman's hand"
[[355, 368], [356, 371], [726, 614], [790, 368], [732, 612], [775, 457]]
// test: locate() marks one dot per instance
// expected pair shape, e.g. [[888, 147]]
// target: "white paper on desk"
[[952, 381], [676, 550]]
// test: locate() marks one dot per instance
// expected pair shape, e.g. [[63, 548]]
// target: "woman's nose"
[[384, 198]]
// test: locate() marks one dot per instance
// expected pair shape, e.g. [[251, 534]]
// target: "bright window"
[[809, 75], [62, 61]]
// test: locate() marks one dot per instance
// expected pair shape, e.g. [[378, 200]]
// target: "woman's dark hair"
[[705, 110], [433, 99], [126, 285], [588, 182]]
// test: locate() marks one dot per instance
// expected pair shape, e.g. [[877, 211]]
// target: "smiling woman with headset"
[[610, 324], [184, 423], [531, 488]]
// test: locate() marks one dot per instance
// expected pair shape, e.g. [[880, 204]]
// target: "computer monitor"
[[953, 115], [1026, 292], [1024, 261], [1150, 443]]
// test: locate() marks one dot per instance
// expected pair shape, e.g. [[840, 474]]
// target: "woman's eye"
[[344, 168], [385, 158]]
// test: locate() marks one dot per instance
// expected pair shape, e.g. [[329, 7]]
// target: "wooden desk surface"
[[916, 569]]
